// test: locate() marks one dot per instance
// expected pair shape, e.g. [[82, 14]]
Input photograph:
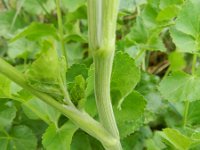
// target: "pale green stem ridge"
[[81, 119]]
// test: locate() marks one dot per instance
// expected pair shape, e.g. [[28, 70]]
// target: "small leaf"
[[19, 138], [130, 116], [125, 76], [59, 138], [176, 139], [180, 87], [77, 92]]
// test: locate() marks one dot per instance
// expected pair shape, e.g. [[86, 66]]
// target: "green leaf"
[[166, 3], [155, 142], [193, 113], [35, 31], [75, 51], [185, 34], [37, 109], [75, 70], [125, 76], [176, 139], [19, 138], [7, 114], [131, 142], [34, 6], [59, 138], [145, 38], [4, 87], [168, 13], [177, 61], [23, 48], [184, 43], [130, 5], [180, 87], [80, 141], [71, 6], [90, 105], [6, 20], [45, 72], [130, 115]]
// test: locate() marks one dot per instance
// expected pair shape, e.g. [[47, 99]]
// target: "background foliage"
[[155, 79]]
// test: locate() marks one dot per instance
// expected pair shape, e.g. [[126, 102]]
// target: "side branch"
[[81, 119]]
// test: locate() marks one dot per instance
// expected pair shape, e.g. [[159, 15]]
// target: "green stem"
[[103, 68], [81, 119], [102, 17], [61, 31]]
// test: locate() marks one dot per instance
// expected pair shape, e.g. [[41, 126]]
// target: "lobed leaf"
[[130, 115], [59, 138], [185, 33], [19, 138]]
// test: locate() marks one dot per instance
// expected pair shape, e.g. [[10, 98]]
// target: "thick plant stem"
[[81, 119], [103, 68], [102, 18]]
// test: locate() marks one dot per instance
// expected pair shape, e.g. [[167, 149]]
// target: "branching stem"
[[81, 119]]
